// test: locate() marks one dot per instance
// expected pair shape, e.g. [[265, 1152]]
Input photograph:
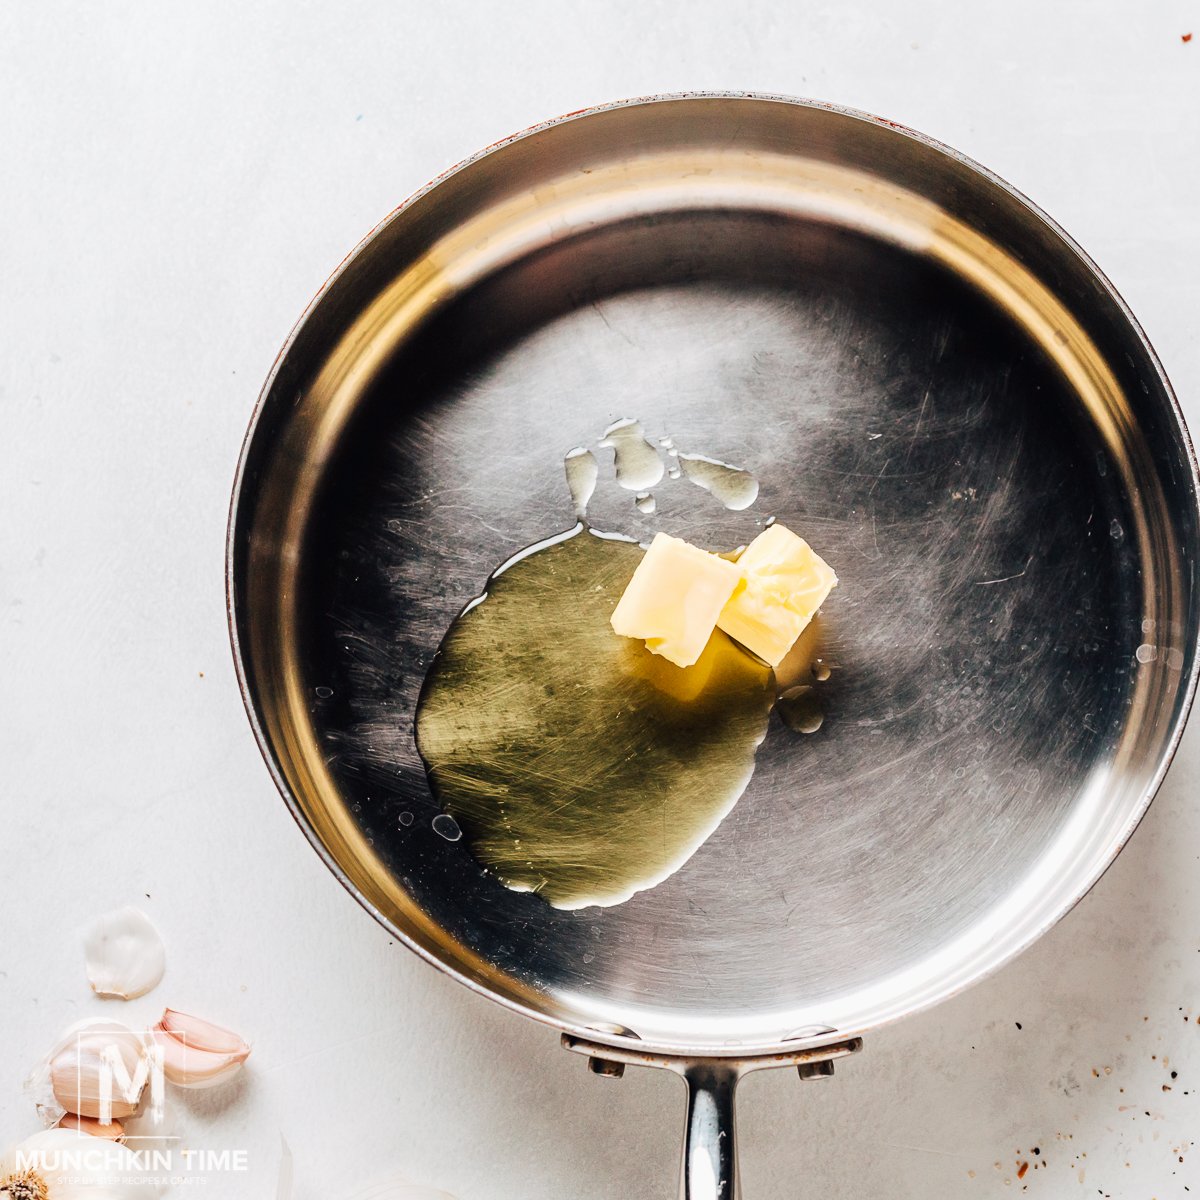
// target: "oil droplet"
[[821, 671], [1147, 624], [1115, 531], [645, 502], [406, 818], [1145, 653], [323, 692], [638, 465], [610, 784], [733, 487], [667, 443], [1175, 659], [446, 826], [582, 472], [674, 471], [801, 710]]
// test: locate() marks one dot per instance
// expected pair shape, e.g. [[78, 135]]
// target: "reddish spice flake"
[[1022, 1169], [1187, 37]]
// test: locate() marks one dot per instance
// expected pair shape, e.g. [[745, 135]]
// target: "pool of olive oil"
[[577, 764]]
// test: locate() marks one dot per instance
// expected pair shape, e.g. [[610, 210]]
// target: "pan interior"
[[993, 720]]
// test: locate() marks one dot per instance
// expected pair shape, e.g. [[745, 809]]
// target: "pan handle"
[[709, 1150], [709, 1153]]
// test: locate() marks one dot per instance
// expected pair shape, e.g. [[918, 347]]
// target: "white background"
[[175, 183]]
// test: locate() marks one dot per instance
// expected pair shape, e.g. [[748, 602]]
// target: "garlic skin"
[[125, 955], [114, 1131], [75, 1066], [283, 1190], [196, 1053], [60, 1164]]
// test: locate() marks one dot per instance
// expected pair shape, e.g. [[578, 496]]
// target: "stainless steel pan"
[[930, 380]]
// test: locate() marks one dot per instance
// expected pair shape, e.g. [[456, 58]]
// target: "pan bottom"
[[984, 636]]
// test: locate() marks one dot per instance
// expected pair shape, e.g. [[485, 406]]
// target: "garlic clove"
[[188, 1068], [84, 1055], [114, 1131], [125, 955], [197, 1053], [202, 1035], [38, 1084]]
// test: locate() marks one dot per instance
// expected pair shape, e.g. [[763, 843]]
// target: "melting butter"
[[577, 764], [732, 486], [582, 471], [801, 710], [637, 463]]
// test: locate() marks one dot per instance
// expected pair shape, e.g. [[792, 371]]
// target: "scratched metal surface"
[[985, 747]]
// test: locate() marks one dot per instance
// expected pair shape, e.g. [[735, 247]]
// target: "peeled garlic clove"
[[125, 955], [85, 1056], [197, 1053], [114, 1130]]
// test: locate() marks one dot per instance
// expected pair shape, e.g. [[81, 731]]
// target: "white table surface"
[[177, 180]]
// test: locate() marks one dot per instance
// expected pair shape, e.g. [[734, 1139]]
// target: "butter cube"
[[784, 582], [674, 599]]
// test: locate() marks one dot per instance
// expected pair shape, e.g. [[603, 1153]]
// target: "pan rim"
[[734, 1050]]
